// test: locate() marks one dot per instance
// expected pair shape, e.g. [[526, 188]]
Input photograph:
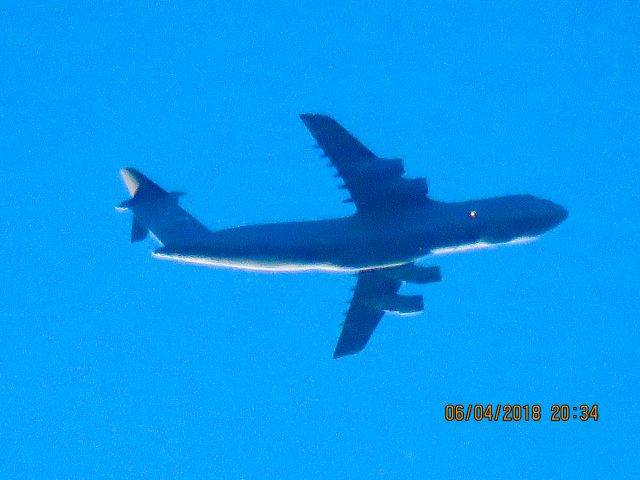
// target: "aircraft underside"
[[261, 265]]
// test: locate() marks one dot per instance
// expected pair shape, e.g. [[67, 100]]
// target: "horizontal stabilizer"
[[125, 205], [138, 231]]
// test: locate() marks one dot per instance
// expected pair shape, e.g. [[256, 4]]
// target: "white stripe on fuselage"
[[479, 245], [262, 266]]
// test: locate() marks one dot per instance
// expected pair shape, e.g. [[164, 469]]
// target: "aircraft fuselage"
[[366, 241]]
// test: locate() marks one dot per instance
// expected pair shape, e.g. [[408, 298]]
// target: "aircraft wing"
[[374, 183], [375, 293]]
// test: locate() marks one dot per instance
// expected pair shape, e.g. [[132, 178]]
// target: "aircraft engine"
[[400, 304], [377, 168], [389, 166], [405, 189], [416, 274]]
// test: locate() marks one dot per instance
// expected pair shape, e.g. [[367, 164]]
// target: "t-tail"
[[157, 211]]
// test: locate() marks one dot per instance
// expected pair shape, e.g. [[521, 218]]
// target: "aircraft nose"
[[557, 213], [564, 213]]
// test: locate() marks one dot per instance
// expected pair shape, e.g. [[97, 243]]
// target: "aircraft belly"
[[343, 245], [327, 256], [271, 265]]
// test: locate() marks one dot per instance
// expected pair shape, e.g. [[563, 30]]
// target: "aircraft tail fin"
[[139, 185], [157, 211]]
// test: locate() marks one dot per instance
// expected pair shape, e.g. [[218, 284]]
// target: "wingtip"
[[345, 351], [306, 117], [339, 353]]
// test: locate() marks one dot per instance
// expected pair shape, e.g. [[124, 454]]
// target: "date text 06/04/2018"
[[514, 412]]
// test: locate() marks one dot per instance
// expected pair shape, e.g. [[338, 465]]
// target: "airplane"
[[395, 224]]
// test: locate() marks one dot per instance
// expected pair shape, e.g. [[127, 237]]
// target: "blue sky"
[[116, 365]]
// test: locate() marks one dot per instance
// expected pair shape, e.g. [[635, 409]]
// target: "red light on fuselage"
[[473, 214]]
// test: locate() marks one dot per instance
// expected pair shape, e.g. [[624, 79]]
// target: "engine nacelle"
[[377, 168], [415, 274], [403, 190], [400, 304], [389, 166]]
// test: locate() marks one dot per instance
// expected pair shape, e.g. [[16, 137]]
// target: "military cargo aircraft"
[[395, 224]]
